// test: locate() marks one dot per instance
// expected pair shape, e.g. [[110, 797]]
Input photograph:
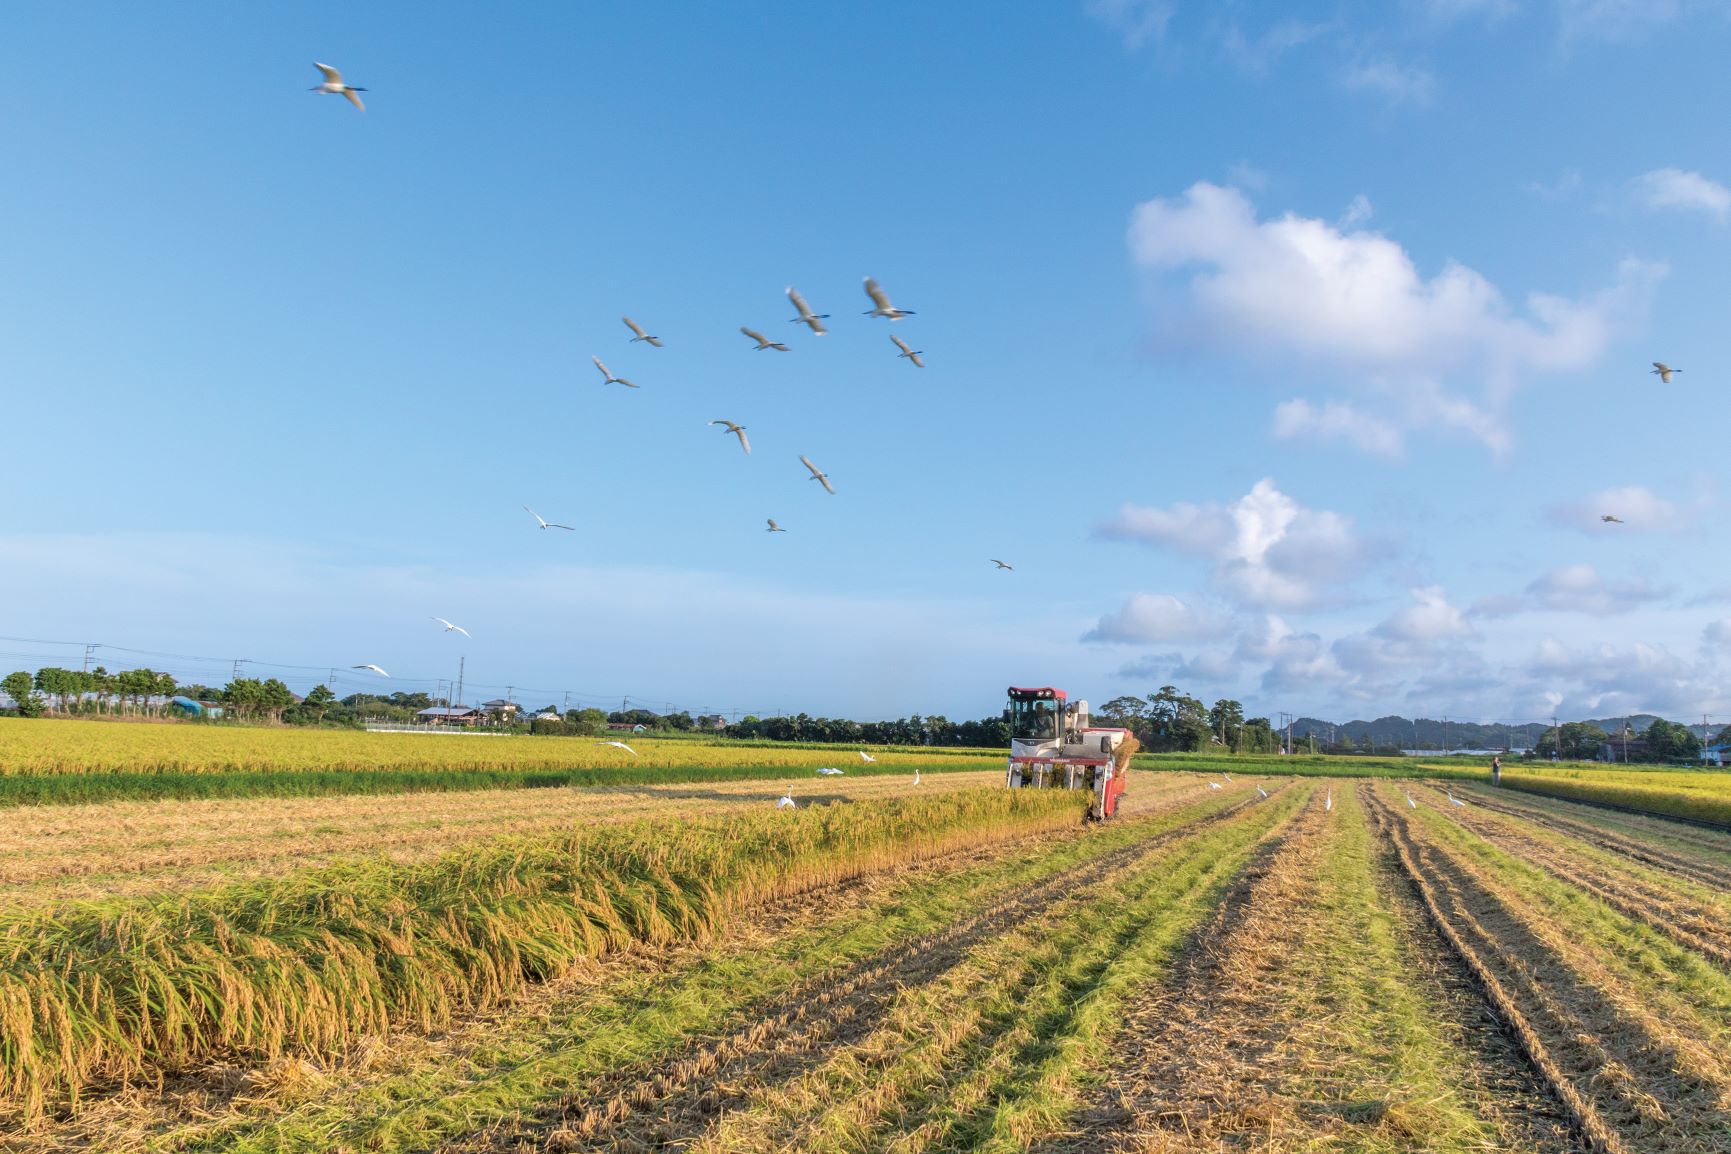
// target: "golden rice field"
[[1257, 962], [46, 746]]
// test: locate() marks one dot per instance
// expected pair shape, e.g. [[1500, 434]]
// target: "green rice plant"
[[105, 991]]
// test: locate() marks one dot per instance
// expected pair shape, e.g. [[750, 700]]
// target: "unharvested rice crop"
[[1698, 795]]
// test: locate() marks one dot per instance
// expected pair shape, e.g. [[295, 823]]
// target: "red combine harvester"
[[1052, 746]]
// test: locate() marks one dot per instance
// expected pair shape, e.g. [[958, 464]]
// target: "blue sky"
[[1291, 359]]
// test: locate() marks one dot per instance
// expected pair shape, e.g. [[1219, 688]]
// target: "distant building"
[[499, 708], [449, 715], [187, 707], [625, 727], [1616, 749]]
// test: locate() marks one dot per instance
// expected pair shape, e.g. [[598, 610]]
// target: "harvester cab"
[[1052, 746]]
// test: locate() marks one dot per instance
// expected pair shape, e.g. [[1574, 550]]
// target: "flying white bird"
[[881, 306], [334, 86], [1453, 800], [653, 342], [1610, 520], [374, 668], [806, 317], [619, 745], [1262, 791], [1002, 564], [773, 527], [830, 771], [911, 354], [545, 524], [1664, 371], [1328, 804], [607, 377], [787, 801], [449, 627], [817, 474], [738, 431], [763, 342], [866, 757], [1214, 785]]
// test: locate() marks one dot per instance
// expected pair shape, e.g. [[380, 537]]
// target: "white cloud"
[[1136, 21], [1673, 188], [1398, 83], [1358, 211], [1338, 420], [1254, 54], [1432, 618], [1268, 550], [1449, 10], [1640, 508], [1580, 589], [1154, 617], [1297, 287]]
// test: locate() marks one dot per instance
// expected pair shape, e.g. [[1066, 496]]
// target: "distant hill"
[[1431, 733]]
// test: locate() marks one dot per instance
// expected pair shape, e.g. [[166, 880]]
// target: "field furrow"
[[1631, 1079], [677, 1100]]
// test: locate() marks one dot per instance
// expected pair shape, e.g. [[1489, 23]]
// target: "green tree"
[[318, 701], [20, 687], [1225, 721]]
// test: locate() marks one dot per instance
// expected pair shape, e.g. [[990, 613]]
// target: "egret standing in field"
[[1262, 791], [1411, 804], [653, 342], [881, 306], [763, 342], [607, 377], [545, 524], [1214, 785], [458, 628], [867, 758], [619, 745], [738, 431], [817, 474], [911, 354], [1453, 800], [374, 668], [916, 775], [334, 86], [811, 320], [1664, 371], [786, 801], [773, 527], [1328, 803]]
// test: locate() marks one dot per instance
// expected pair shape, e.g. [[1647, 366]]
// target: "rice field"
[[1344, 964]]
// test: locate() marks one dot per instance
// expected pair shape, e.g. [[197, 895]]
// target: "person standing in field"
[[1496, 770]]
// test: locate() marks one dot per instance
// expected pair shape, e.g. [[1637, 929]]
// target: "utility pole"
[[567, 708], [1557, 750], [508, 690], [461, 661], [331, 681], [1445, 735], [90, 650], [238, 662]]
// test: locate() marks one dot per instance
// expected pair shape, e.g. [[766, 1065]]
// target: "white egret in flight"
[[738, 431], [1610, 520], [1664, 371], [911, 354], [653, 342], [607, 377], [806, 317], [545, 524], [881, 306], [830, 771], [763, 342], [374, 668], [867, 758], [773, 527], [619, 745], [1002, 564], [449, 627], [817, 474], [334, 86]]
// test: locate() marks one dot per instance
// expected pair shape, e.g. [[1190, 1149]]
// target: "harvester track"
[[1621, 1086], [676, 1101]]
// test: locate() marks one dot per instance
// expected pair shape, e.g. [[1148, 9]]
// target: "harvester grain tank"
[[1052, 746]]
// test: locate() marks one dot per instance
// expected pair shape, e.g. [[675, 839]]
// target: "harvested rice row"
[[1633, 1061], [310, 962], [1697, 919], [986, 1058], [677, 1097], [1688, 851]]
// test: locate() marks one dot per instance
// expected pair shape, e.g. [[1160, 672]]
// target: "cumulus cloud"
[[1268, 550], [1298, 419], [1580, 589], [1294, 286], [1616, 679], [1154, 617], [1640, 508], [1386, 77], [1673, 188]]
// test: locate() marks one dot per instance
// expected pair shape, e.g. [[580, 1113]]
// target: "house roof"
[[498, 703], [448, 711]]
